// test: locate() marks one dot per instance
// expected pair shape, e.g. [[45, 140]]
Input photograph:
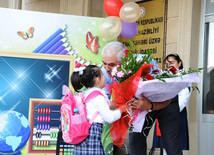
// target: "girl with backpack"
[[93, 79]]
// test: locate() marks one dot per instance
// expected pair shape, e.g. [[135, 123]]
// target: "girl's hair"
[[177, 58], [114, 48], [85, 77]]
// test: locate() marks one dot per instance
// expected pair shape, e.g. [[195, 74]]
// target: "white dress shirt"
[[100, 104]]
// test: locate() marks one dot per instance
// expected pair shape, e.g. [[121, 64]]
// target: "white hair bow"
[[80, 70]]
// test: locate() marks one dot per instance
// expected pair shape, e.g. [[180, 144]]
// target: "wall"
[[4, 3]]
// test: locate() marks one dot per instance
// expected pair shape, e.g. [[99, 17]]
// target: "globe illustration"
[[14, 132]]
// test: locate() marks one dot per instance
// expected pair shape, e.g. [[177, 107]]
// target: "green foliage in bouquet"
[[172, 72], [192, 71], [131, 63]]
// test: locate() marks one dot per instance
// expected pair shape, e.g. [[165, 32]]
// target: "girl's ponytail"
[[76, 81]]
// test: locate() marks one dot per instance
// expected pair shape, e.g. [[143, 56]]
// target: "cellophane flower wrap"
[[123, 90], [122, 93], [136, 76]]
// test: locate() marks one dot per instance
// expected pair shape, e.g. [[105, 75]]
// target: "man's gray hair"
[[114, 48]]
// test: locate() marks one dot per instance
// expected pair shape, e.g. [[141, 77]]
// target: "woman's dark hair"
[[85, 77], [177, 58]]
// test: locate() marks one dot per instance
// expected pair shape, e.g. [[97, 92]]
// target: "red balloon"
[[112, 7]]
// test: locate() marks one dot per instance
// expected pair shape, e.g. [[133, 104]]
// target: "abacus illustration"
[[44, 118]]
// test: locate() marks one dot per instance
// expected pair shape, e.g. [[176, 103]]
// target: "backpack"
[[75, 128]]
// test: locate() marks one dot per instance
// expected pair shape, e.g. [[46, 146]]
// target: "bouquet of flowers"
[[137, 76]]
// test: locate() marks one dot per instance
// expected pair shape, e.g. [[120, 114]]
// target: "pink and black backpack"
[[75, 128]]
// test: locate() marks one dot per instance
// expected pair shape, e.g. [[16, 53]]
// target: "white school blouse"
[[100, 104], [183, 98]]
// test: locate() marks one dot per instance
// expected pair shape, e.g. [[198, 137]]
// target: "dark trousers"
[[168, 119]]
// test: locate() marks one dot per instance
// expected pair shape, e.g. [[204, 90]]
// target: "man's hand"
[[141, 104], [145, 104], [161, 105]]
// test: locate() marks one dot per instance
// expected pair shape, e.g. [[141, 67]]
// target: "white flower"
[[120, 74], [114, 71], [139, 59], [180, 72], [129, 72]]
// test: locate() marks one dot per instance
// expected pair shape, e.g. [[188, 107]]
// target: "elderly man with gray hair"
[[167, 112]]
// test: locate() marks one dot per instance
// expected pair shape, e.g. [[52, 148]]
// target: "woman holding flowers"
[[174, 62]]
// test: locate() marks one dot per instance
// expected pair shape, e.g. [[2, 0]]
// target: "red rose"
[[156, 71], [149, 77], [146, 69], [126, 52], [172, 69]]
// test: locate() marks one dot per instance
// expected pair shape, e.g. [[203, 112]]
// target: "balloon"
[[110, 27], [112, 7], [129, 30], [130, 12]]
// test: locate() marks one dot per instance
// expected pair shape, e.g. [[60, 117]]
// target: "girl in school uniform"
[[93, 79]]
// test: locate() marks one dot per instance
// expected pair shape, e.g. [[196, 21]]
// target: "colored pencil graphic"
[[57, 45], [52, 43], [86, 64], [72, 52], [79, 64], [61, 48], [60, 30], [78, 59], [65, 51]]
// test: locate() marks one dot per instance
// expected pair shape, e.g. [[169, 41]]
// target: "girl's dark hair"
[[177, 58], [85, 77]]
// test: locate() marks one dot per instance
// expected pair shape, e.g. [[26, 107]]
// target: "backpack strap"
[[92, 95], [95, 116], [89, 97]]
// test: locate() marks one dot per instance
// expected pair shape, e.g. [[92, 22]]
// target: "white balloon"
[[130, 12], [110, 27]]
